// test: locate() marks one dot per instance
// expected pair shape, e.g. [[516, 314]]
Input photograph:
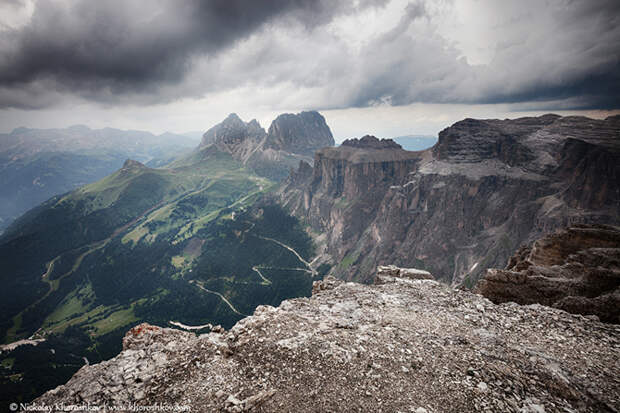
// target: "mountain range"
[[252, 217], [36, 164], [462, 206], [186, 243]]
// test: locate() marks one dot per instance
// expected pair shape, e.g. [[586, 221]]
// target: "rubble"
[[404, 345]]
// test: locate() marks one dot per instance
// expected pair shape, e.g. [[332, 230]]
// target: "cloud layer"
[[314, 54]]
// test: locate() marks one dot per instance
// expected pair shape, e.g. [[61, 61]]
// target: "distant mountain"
[[193, 135], [36, 164], [290, 139], [462, 206], [416, 142], [195, 242]]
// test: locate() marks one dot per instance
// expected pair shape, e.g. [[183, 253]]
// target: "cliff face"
[[235, 136], [403, 345], [577, 270], [291, 138], [466, 204], [303, 133]]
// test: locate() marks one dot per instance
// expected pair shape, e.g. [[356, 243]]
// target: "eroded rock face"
[[394, 271], [576, 269], [465, 205], [303, 133], [290, 139], [371, 142], [235, 136], [405, 345]]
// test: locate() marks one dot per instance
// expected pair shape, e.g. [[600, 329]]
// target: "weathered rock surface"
[[371, 142], [405, 345], [303, 133], [394, 271], [463, 206], [291, 139], [576, 269], [235, 136]]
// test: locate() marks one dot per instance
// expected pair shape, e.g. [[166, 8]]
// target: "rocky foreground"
[[403, 345], [576, 269]]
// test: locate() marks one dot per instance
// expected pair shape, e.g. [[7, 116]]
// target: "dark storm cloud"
[[575, 57], [570, 52], [122, 46], [559, 51]]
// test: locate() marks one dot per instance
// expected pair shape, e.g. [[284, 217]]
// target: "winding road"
[[306, 263], [266, 281], [232, 307]]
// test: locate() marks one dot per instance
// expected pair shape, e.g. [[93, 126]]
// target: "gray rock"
[[576, 269], [290, 140], [463, 206], [410, 345]]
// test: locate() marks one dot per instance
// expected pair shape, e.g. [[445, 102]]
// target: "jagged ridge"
[[273, 154]]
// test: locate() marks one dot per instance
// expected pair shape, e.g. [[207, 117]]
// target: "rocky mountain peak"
[[132, 164], [253, 124], [232, 117], [473, 140], [371, 142], [301, 133], [400, 345], [272, 154], [232, 132]]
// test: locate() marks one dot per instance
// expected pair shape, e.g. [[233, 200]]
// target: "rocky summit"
[[403, 345], [576, 269], [371, 142], [291, 138], [463, 206]]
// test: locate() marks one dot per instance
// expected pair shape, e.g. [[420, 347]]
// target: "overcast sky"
[[385, 67]]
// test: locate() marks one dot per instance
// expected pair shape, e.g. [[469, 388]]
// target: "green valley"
[[198, 241]]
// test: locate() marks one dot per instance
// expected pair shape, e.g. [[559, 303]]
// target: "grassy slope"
[[184, 243]]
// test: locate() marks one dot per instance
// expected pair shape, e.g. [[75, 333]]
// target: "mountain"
[[290, 139], [415, 142], [462, 206], [204, 241], [192, 243], [576, 269], [404, 345], [36, 164]]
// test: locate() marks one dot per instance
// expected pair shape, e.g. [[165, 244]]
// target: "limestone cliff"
[[403, 345], [303, 133], [463, 206], [576, 269], [291, 138]]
